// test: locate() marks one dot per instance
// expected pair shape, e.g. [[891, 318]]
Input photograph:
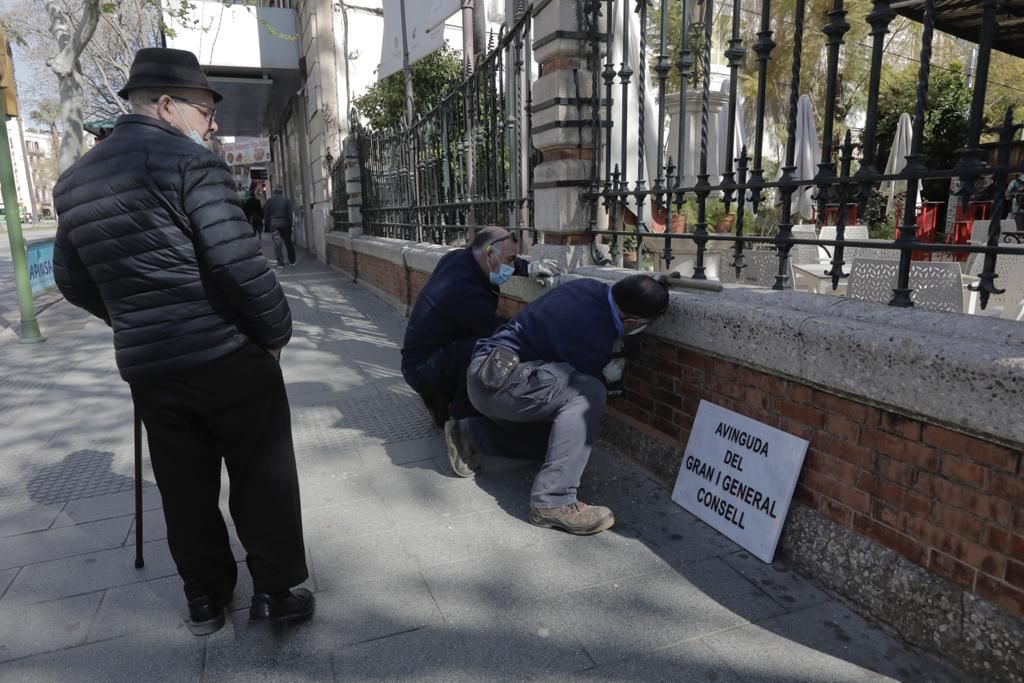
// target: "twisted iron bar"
[[908, 231], [703, 188], [735, 54], [782, 239], [834, 30], [763, 47], [641, 184]]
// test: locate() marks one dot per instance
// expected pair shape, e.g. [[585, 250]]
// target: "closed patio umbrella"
[[897, 162], [808, 155]]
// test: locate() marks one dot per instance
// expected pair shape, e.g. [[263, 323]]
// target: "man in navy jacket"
[[456, 308], [549, 365]]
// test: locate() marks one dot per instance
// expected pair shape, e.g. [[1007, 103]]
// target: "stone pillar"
[[353, 183], [561, 124], [694, 103]]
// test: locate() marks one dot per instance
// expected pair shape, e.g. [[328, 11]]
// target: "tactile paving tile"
[[82, 474], [397, 415]]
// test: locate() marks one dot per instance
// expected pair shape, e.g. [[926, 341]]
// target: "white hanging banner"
[[738, 476], [424, 24]]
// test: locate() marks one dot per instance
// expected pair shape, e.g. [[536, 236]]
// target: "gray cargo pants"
[[555, 393]]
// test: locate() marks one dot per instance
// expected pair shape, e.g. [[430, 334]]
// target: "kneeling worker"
[[454, 310], [549, 365]]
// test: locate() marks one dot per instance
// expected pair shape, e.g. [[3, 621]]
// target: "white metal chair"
[[1009, 304], [828, 232], [761, 268], [937, 285], [804, 253]]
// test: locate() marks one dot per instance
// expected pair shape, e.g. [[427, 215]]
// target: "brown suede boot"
[[576, 518]]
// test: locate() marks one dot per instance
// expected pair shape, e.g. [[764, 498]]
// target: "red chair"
[[832, 214], [964, 224], [926, 221]]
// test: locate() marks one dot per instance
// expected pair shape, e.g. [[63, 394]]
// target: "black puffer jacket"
[[153, 240]]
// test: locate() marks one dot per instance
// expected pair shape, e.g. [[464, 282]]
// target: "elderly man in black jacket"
[[152, 239]]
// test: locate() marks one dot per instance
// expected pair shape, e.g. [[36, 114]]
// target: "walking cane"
[[139, 561]]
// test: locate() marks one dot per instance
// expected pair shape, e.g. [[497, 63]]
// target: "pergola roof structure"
[[962, 18]]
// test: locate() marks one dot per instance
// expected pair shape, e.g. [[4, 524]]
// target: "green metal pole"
[[29, 326]]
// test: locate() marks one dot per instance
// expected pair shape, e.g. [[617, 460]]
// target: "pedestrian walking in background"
[[1015, 193], [254, 210], [278, 213], [152, 239]]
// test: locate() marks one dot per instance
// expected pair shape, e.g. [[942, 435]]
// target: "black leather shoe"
[[205, 615], [293, 605]]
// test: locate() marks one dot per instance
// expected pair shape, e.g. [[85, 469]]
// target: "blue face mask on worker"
[[504, 272]]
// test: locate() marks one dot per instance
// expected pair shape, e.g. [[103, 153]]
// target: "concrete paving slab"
[[328, 485], [760, 656], [109, 506], [27, 517], [836, 630], [154, 527], [377, 609], [353, 561], [6, 577], [404, 452], [140, 607], [511, 649], [785, 587], [247, 652], [40, 546], [562, 565], [150, 657], [626, 617], [83, 573], [446, 540], [689, 661], [417, 492], [35, 629], [327, 524]]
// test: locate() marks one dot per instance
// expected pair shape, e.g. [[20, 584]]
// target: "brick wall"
[[341, 258], [946, 501]]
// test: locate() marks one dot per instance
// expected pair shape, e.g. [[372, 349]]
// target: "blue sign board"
[[40, 266]]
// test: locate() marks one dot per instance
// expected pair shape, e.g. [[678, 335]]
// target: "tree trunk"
[[69, 75]]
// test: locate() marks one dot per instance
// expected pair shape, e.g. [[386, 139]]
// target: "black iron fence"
[[628, 202], [339, 197], [466, 164]]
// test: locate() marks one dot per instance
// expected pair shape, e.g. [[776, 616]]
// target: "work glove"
[[543, 271], [613, 371]]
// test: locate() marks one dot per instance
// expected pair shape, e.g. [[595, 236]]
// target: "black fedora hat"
[[164, 67]]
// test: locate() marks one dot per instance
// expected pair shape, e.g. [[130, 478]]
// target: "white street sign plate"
[[738, 476], [424, 25]]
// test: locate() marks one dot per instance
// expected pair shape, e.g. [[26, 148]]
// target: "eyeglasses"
[[205, 110]]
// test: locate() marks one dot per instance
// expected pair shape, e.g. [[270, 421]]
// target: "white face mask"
[[192, 135], [638, 330]]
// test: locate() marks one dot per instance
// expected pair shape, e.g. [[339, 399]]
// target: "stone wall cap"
[[386, 248]]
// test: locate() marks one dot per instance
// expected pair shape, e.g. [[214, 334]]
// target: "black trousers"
[[234, 410], [441, 378], [289, 245]]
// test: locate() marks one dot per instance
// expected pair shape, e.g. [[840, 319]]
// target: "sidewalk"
[[418, 575]]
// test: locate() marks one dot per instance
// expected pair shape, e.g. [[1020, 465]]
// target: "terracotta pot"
[[726, 223], [658, 216]]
